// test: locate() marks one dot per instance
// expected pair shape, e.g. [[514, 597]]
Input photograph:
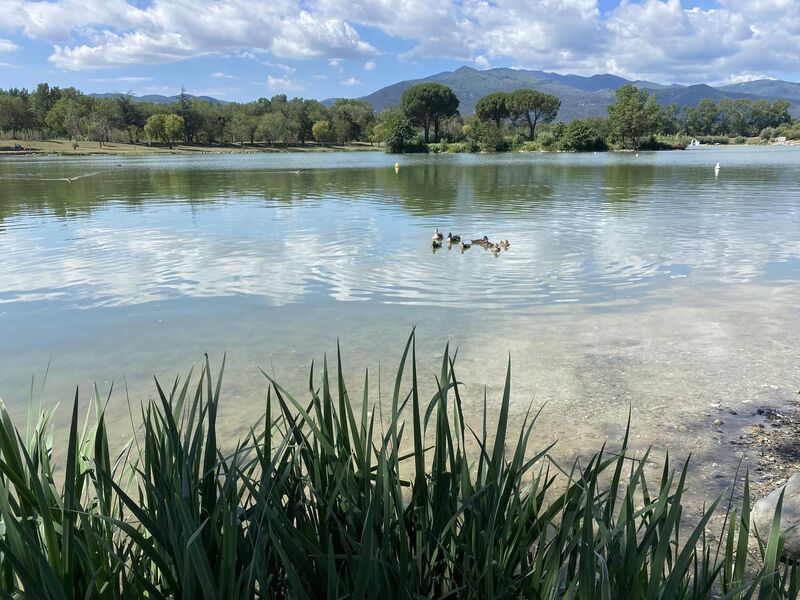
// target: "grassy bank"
[[321, 500], [66, 148], [548, 144]]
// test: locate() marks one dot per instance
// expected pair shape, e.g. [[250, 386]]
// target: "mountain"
[[580, 96], [159, 99], [767, 88]]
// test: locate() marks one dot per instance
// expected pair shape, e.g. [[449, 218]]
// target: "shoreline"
[[57, 148], [64, 148]]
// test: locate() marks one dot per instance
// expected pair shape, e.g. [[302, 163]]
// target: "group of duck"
[[484, 242]]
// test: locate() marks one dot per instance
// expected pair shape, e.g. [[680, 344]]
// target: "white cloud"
[[665, 40], [350, 81], [669, 40], [741, 78], [223, 75], [283, 83], [7, 46], [285, 68], [124, 79], [92, 33]]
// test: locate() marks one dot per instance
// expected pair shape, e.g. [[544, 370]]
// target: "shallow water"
[[632, 281]]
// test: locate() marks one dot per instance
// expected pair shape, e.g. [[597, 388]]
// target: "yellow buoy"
[[397, 167]]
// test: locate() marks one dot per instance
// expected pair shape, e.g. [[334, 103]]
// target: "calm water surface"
[[640, 281]]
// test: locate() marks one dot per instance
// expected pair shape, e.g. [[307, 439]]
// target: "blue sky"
[[244, 49]]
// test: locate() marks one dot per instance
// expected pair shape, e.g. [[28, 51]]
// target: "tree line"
[[53, 112], [427, 114], [508, 120]]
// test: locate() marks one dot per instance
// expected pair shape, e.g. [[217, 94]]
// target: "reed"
[[319, 500]]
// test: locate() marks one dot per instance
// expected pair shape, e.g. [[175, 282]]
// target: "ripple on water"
[[587, 229]]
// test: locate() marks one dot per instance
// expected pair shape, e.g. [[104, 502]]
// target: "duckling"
[[438, 236], [453, 238], [495, 249], [504, 244]]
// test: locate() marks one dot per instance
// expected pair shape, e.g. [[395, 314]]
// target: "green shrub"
[[583, 135], [328, 497]]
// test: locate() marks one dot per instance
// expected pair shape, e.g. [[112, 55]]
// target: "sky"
[[239, 50]]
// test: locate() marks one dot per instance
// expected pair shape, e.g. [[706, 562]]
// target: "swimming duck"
[[484, 241], [495, 249], [453, 238], [465, 246], [504, 244], [436, 245], [438, 236]]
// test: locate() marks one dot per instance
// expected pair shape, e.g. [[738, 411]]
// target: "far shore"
[[65, 148]]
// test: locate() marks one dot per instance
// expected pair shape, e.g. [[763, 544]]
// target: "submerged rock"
[[764, 511]]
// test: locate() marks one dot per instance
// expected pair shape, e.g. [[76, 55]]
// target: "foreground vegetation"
[[324, 499]]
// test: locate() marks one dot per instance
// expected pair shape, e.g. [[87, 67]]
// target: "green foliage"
[[65, 117], [164, 128], [351, 119], [399, 136], [330, 497], [585, 135], [242, 127], [323, 132], [485, 136], [536, 107], [173, 128], [741, 117], [792, 132], [14, 113], [273, 127], [493, 107], [634, 117], [58, 112], [427, 104], [551, 137]]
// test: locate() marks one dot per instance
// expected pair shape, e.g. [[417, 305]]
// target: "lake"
[[632, 281]]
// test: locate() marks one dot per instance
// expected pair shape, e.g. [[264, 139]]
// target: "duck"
[[465, 246], [484, 241], [453, 238], [504, 244], [495, 249], [436, 245], [438, 236]]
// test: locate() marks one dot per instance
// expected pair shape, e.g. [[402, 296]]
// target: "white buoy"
[[716, 169]]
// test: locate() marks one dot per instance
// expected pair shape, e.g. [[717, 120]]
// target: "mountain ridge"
[[159, 98], [581, 96]]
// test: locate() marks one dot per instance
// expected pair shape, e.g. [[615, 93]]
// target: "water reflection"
[[146, 231]]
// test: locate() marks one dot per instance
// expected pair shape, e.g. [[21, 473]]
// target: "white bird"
[[716, 169]]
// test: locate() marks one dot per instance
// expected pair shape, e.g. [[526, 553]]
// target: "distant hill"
[[580, 96], [159, 99], [767, 88]]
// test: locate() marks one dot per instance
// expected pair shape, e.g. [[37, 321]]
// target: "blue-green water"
[[631, 280]]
